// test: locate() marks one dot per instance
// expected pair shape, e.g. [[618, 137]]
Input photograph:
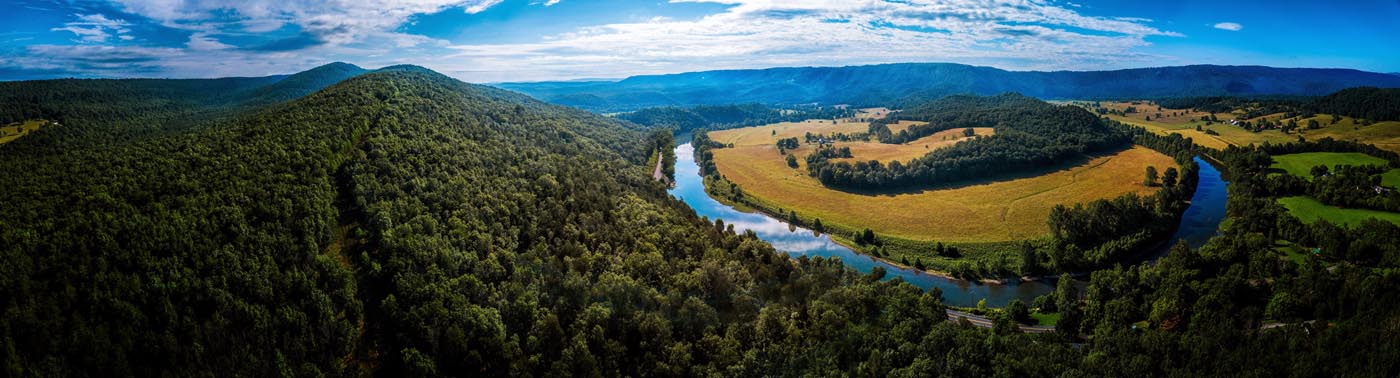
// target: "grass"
[[1044, 319], [1385, 135], [987, 211], [769, 134], [1301, 164], [986, 220], [1295, 253], [866, 151], [10, 132], [1391, 178], [1310, 210]]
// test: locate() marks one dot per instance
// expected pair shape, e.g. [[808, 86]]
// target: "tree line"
[[1030, 135]]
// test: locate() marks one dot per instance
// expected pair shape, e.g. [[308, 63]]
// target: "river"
[[797, 241]]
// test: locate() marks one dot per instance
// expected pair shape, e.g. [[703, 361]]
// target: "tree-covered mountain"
[[1375, 104], [716, 117], [912, 83], [302, 83], [88, 109]]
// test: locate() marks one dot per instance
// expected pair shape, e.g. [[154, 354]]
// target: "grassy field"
[[986, 220], [1310, 210], [883, 152], [1385, 135], [1013, 208], [14, 131], [769, 134], [1301, 164]]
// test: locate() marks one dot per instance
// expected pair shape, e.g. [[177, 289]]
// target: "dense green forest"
[[1030, 134], [103, 112], [402, 223], [720, 117]]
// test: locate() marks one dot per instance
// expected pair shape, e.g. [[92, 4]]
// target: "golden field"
[[1004, 209], [1385, 135]]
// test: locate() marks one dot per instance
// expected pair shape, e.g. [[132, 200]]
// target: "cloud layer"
[[295, 34], [1229, 26]]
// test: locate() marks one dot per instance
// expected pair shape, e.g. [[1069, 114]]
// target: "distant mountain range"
[[910, 83]]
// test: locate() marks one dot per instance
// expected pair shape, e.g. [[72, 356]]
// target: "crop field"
[[883, 152], [16, 130], [769, 134], [1301, 164], [1004, 209], [895, 128], [1309, 210], [1385, 135]]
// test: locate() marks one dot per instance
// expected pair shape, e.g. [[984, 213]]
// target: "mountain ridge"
[[910, 83]]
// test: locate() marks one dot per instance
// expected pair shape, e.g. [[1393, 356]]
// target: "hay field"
[[885, 153], [1385, 135], [10, 132], [996, 210], [1309, 210]]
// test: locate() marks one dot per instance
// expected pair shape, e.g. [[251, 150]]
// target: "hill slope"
[[911, 83], [98, 111], [405, 223]]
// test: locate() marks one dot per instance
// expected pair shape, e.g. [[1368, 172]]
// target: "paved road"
[[987, 323]]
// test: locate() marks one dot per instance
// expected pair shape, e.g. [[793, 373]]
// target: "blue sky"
[[527, 40]]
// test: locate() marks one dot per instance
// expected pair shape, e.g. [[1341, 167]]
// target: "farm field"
[[1309, 210], [883, 152], [16, 130], [1013, 208], [1301, 164], [1385, 135], [769, 134]]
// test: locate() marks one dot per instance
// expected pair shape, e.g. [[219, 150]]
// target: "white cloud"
[[1229, 26], [203, 42], [1014, 34], [96, 28], [335, 21], [1019, 34]]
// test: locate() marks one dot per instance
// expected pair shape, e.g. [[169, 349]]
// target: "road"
[[983, 322], [657, 174]]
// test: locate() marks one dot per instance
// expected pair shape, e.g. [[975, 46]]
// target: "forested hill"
[[716, 117], [1376, 104], [908, 84], [402, 223], [302, 83], [88, 109]]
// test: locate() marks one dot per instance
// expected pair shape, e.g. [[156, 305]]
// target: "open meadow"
[[10, 132], [1385, 135], [1310, 210], [995, 210]]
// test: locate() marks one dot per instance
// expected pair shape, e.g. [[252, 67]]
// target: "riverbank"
[[986, 263]]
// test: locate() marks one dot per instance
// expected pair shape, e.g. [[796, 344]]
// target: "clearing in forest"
[[1219, 135], [10, 132]]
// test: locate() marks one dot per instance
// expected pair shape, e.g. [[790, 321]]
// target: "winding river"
[[1199, 224]]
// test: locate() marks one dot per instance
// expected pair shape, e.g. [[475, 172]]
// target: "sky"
[[535, 40]]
